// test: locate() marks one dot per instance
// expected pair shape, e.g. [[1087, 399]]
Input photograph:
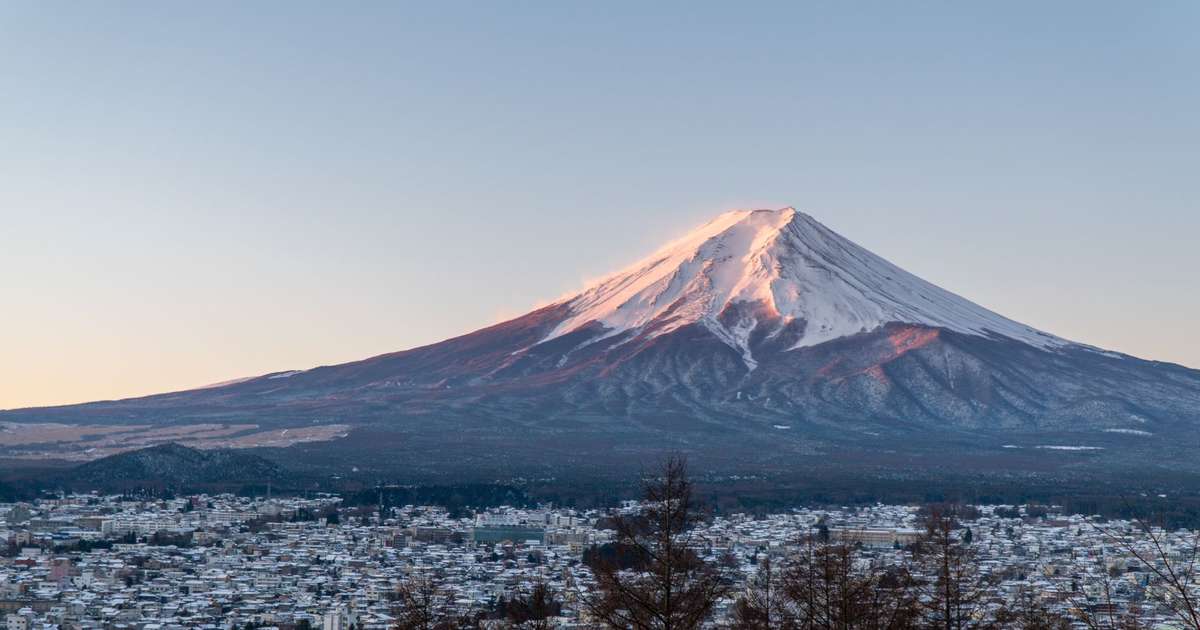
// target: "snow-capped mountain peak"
[[786, 268], [837, 355]]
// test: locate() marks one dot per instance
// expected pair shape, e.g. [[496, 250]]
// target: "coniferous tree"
[[674, 589], [421, 605], [828, 589], [764, 605], [954, 594]]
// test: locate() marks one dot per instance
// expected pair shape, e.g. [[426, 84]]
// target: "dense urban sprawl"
[[89, 561]]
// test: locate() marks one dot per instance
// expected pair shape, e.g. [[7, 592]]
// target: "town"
[[223, 561]]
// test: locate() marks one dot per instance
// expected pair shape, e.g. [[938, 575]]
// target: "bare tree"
[[671, 587], [1027, 613], [534, 610], [1174, 569], [421, 605], [955, 595], [826, 590], [1102, 611], [764, 605]]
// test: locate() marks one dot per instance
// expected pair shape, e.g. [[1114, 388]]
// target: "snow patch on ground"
[[1128, 431]]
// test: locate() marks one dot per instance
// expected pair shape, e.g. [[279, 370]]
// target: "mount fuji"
[[761, 339]]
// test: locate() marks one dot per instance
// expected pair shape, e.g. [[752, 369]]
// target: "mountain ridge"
[[760, 338]]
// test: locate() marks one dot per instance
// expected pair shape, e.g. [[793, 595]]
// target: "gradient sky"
[[193, 192]]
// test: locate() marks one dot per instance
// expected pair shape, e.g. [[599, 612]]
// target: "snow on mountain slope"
[[787, 262], [838, 357]]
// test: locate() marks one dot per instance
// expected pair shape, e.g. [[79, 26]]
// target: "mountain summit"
[[776, 272], [760, 340]]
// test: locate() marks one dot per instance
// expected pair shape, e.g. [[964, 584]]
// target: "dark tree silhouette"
[[1027, 614], [676, 589], [421, 605], [827, 591], [764, 605], [534, 610], [955, 596]]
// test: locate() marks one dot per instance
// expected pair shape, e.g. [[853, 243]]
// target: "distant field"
[[88, 442]]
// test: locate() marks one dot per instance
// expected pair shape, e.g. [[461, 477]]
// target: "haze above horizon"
[[192, 194]]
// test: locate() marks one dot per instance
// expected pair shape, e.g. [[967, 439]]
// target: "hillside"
[[172, 465]]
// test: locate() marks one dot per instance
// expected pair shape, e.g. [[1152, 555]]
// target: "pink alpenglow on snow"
[[787, 263]]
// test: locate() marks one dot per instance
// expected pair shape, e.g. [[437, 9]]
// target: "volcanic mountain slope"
[[761, 331]]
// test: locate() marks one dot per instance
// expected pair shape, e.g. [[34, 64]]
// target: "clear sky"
[[193, 192]]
